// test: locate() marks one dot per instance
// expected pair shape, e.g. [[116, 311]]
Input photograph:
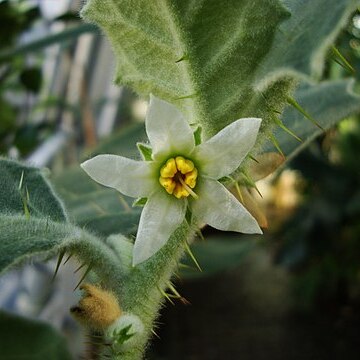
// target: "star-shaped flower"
[[180, 174]]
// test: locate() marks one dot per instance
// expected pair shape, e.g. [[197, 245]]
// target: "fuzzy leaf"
[[328, 103], [33, 222], [207, 57], [301, 44], [21, 184], [22, 238], [30, 340]]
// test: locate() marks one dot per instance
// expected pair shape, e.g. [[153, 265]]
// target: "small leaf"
[[123, 335], [145, 151], [197, 135], [140, 202]]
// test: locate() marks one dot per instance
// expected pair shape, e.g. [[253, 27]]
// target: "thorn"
[[185, 301], [155, 334], [258, 191], [186, 96], [26, 209], [165, 295], [172, 288], [68, 258], [177, 275], [21, 180], [237, 187], [187, 248], [61, 256], [177, 294], [291, 101], [185, 266], [282, 126], [276, 144], [27, 194], [254, 159], [84, 276], [184, 57], [343, 61], [251, 182], [199, 233], [80, 267]]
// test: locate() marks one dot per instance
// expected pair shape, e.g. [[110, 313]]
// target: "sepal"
[[145, 151]]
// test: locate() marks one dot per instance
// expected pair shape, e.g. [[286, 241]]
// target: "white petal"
[[224, 152], [217, 207], [167, 129], [162, 214], [130, 177]]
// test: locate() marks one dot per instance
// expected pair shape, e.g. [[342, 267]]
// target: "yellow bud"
[[169, 169], [180, 191], [97, 309], [168, 183], [190, 178], [184, 165]]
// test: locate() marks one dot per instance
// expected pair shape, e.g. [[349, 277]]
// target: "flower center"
[[178, 177]]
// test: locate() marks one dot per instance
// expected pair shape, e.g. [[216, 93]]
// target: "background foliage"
[[175, 50]]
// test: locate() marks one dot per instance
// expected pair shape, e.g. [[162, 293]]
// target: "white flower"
[[180, 175]]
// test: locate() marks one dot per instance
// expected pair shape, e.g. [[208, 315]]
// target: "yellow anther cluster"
[[178, 176]]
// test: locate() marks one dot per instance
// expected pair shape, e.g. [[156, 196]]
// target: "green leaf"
[[21, 183], [328, 103], [209, 57], [216, 254], [30, 340], [66, 35], [33, 222], [300, 45], [197, 135], [140, 202], [145, 150], [22, 238]]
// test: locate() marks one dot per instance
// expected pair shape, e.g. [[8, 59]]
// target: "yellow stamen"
[[180, 191], [178, 177], [184, 165], [168, 183], [169, 169], [190, 178]]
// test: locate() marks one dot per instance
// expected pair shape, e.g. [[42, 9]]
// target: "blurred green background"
[[293, 293]]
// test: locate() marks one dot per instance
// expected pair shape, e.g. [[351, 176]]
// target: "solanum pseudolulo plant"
[[177, 175], [210, 62]]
